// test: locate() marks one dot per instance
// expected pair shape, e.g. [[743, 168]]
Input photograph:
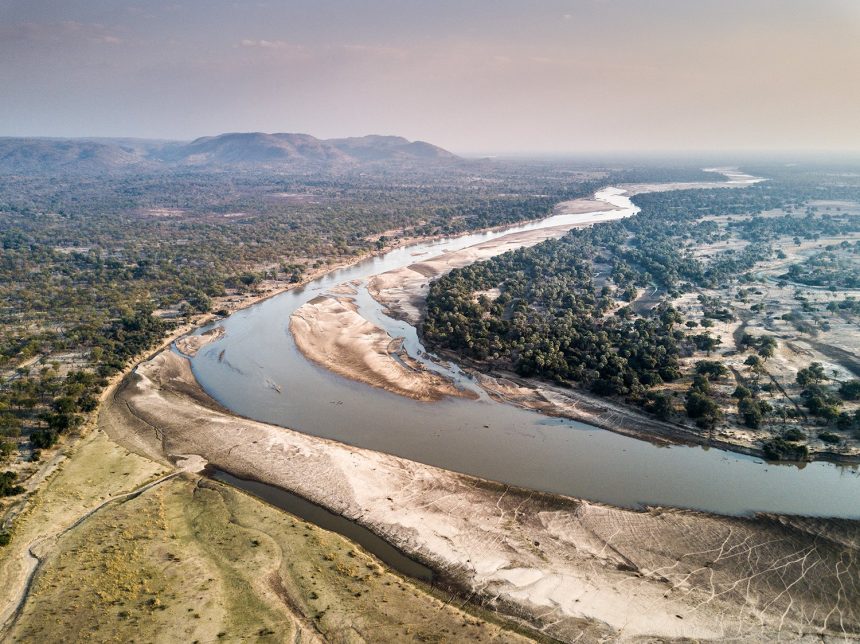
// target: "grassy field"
[[195, 560]]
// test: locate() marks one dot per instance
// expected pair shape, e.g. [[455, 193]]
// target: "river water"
[[256, 370]]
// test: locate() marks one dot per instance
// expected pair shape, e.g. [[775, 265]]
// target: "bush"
[[845, 421], [778, 449], [850, 389], [830, 438], [7, 484], [793, 434]]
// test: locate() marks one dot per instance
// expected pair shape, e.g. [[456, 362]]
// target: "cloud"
[[375, 50], [61, 33], [268, 44], [108, 40]]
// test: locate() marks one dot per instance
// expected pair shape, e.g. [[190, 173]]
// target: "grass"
[[96, 470], [195, 560]]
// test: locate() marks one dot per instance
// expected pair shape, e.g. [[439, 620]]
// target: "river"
[[256, 370]]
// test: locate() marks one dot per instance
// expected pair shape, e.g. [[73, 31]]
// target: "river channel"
[[255, 370]]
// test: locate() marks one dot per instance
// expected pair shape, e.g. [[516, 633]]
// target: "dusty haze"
[[501, 76]]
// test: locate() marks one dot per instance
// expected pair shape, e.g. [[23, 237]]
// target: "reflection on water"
[[483, 437]]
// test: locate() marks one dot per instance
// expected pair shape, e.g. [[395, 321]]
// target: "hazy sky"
[[495, 75]]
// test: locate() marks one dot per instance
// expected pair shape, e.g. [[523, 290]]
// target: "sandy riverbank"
[[581, 206], [569, 567], [402, 291], [330, 331], [190, 345]]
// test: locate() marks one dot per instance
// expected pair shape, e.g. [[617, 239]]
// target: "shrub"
[[778, 449], [830, 438], [850, 389], [7, 484], [793, 434]]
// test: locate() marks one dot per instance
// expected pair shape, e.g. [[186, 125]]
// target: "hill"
[[286, 152], [34, 156]]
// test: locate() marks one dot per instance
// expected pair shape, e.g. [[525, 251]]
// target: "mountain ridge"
[[284, 151]]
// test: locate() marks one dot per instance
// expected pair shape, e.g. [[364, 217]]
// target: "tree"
[[711, 369], [702, 408], [741, 392], [850, 389], [200, 302], [747, 340], [660, 405], [766, 346], [706, 342], [813, 374], [755, 364], [751, 411], [7, 448], [43, 438]]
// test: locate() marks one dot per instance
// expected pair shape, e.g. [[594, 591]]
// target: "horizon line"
[[502, 153]]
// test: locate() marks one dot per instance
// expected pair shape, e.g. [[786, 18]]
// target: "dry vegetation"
[[807, 327], [195, 560]]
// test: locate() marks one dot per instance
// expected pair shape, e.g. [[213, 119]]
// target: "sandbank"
[[331, 332], [571, 568]]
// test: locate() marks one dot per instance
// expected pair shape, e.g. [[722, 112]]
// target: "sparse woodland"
[[627, 309]]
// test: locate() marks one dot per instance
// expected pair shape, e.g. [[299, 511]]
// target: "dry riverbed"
[[573, 569]]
